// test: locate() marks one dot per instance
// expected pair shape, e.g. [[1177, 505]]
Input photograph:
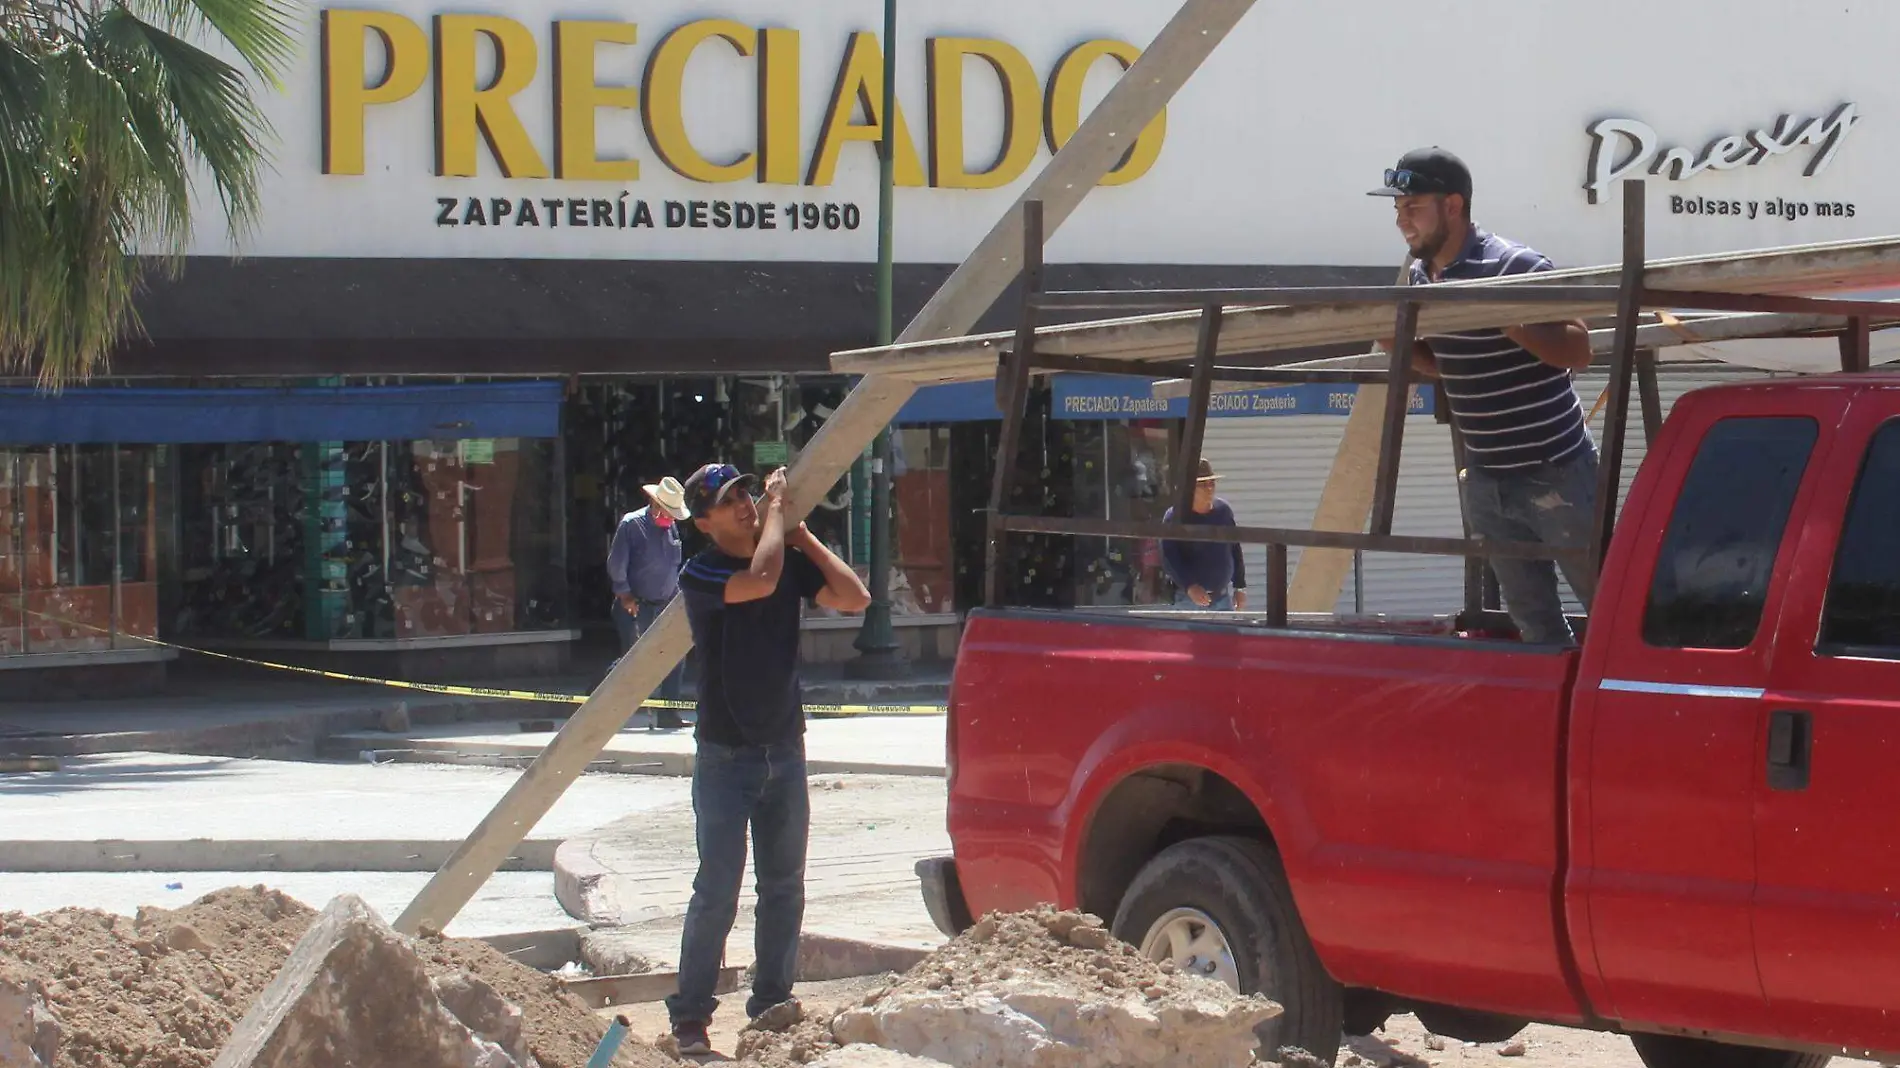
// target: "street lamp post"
[[879, 655]]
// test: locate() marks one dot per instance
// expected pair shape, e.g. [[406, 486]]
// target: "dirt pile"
[[1041, 989], [165, 989]]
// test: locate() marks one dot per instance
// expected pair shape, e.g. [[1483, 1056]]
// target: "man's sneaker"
[[692, 1039]]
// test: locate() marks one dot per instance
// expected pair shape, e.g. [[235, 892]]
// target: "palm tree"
[[107, 108]]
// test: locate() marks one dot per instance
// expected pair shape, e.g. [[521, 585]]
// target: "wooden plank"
[[1196, 29], [1622, 368], [1649, 392], [1346, 501], [1651, 335], [1398, 403], [1193, 435], [1012, 400], [1857, 345], [606, 991], [1846, 266]]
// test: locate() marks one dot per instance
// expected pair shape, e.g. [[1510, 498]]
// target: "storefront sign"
[[372, 59], [1119, 397], [1642, 148]]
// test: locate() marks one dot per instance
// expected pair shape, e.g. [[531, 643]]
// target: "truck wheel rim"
[[1195, 943]]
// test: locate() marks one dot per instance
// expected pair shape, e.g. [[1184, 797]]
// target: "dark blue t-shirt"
[[1213, 566], [748, 652]]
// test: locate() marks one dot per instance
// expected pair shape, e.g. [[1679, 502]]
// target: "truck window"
[[1719, 552], [1862, 616]]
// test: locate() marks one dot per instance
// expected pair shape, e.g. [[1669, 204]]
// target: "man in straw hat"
[[1207, 574], [644, 567]]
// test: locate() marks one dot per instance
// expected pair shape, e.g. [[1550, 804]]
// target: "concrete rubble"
[[1043, 989], [354, 992], [29, 1034]]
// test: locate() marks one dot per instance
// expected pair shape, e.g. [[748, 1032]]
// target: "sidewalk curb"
[[295, 734], [254, 855], [383, 746], [577, 883]]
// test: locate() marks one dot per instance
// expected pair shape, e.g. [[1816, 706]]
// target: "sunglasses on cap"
[[707, 488]]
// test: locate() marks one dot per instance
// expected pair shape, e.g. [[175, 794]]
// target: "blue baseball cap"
[[708, 487]]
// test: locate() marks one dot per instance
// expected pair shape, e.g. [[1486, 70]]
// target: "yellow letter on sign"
[[460, 107], [346, 96], [861, 85], [577, 97], [1022, 107], [665, 112], [1063, 108], [779, 132]]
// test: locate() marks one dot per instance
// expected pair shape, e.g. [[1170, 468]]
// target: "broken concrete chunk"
[[611, 951], [1047, 1026], [354, 992], [872, 1057], [29, 1032], [486, 1013]]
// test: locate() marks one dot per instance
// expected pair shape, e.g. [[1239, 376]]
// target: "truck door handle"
[[1790, 744]]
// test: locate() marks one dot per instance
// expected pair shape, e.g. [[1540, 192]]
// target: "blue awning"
[[954, 402], [348, 413]]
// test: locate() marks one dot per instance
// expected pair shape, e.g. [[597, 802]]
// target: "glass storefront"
[[1124, 470], [923, 571], [78, 548], [371, 539]]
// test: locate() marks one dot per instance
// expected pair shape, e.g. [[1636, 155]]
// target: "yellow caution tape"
[[486, 691]]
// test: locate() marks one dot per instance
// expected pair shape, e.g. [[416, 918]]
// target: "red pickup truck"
[[1687, 830]]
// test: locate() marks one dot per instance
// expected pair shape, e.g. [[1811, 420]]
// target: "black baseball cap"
[[1424, 171], [708, 487]]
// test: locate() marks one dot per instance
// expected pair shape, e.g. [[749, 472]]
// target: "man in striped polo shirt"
[[1530, 462]]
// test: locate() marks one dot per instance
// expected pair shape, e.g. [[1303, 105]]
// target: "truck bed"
[[1409, 780]]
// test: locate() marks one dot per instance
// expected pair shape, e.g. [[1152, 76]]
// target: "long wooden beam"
[[1196, 29], [1842, 266], [1346, 501], [1707, 330]]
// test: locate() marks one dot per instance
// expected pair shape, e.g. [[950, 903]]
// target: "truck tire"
[[1204, 896], [1676, 1051]]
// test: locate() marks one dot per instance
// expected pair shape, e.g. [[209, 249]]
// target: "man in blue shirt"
[[1530, 462], [1206, 574], [743, 599], [643, 565]]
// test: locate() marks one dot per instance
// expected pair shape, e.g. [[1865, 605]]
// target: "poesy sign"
[[1724, 153]]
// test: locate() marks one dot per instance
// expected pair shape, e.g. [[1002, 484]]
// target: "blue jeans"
[[733, 786], [630, 627], [1551, 503], [1221, 602]]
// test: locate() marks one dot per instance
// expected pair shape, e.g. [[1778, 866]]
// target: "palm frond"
[[103, 115], [208, 101], [258, 29]]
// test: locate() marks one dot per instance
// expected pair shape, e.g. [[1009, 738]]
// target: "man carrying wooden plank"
[[743, 598], [1530, 463]]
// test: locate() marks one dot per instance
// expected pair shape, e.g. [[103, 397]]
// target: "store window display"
[[371, 539], [922, 573], [78, 544]]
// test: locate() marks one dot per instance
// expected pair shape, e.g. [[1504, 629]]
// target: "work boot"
[[668, 719], [692, 1039]]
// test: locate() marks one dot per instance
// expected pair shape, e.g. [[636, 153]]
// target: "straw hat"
[[671, 496]]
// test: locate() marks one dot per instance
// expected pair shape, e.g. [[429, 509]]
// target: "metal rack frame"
[[1628, 364]]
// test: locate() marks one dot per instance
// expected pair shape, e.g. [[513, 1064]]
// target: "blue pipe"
[[610, 1043]]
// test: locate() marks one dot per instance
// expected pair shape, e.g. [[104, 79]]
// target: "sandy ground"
[[867, 833]]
